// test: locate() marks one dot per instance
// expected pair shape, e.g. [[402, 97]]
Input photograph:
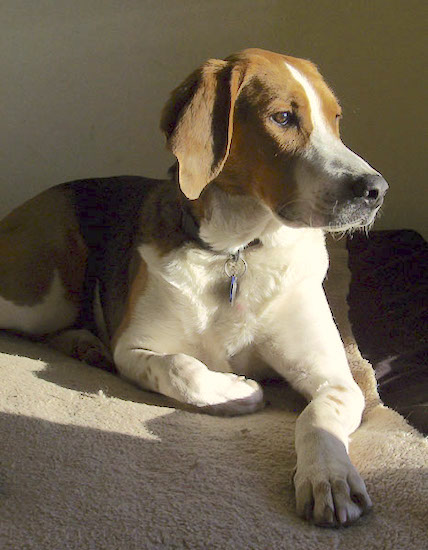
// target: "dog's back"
[[56, 246]]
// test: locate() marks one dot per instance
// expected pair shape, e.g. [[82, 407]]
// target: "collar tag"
[[234, 267], [233, 289]]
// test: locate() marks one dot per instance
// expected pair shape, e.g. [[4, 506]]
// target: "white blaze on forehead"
[[336, 157], [318, 120]]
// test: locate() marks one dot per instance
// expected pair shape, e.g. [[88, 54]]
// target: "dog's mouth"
[[335, 217], [349, 222]]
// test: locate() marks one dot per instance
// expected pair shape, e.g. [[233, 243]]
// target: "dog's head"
[[267, 125]]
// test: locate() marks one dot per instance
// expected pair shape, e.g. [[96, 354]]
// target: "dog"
[[202, 284]]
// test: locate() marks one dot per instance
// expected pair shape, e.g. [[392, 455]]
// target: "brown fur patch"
[[40, 236], [335, 399], [161, 218], [340, 388], [72, 264], [137, 283], [198, 122]]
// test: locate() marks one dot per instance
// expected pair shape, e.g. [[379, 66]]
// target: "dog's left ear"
[[198, 123]]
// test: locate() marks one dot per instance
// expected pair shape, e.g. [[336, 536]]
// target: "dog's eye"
[[282, 118]]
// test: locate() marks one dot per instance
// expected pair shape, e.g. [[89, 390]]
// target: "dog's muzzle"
[[356, 202], [370, 189], [346, 202]]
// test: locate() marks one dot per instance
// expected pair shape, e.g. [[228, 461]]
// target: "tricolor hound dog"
[[215, 275]]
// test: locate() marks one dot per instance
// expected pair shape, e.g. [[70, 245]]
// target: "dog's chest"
[[191, 288]]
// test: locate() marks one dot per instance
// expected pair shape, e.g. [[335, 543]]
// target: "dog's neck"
[[229, 223]]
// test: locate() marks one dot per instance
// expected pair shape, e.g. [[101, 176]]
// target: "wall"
[[83, 82]]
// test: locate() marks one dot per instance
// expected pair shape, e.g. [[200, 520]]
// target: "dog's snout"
[[371, 188]]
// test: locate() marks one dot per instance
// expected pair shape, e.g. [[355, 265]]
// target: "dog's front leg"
[[188, 380], [329, 489], [306, 349]]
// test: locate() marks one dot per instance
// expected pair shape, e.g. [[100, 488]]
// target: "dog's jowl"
[[191, 284]]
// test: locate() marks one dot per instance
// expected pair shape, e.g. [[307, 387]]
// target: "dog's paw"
[[220, 393], [331, 494], [83, 346], [230, 395]]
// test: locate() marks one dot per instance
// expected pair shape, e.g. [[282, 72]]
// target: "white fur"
[[52, 313], [191, 285]]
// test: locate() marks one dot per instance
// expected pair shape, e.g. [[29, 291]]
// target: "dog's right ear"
[[198, 123]]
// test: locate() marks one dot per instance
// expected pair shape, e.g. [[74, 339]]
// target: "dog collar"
[[235, 266], [191, 228]]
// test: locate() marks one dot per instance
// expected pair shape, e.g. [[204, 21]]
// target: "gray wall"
[[83, 82]]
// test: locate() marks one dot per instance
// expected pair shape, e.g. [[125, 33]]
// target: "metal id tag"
[[234, 267], [233, 289]]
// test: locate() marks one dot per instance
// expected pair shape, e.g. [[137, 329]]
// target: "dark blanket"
[[388, 313]]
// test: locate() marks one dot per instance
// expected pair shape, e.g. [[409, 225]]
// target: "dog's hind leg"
[[42, 266], [83, 345]]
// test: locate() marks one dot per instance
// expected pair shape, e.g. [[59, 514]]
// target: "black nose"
[[371, 188]]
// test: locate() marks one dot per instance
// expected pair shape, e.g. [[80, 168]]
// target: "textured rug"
[[88, 461]]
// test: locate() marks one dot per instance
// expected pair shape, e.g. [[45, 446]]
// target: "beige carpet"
[[87, 461]]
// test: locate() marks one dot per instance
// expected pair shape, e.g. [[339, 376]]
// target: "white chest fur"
[[186, 309]]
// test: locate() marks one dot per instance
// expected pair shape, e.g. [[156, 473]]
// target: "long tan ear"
[[198, 123]]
